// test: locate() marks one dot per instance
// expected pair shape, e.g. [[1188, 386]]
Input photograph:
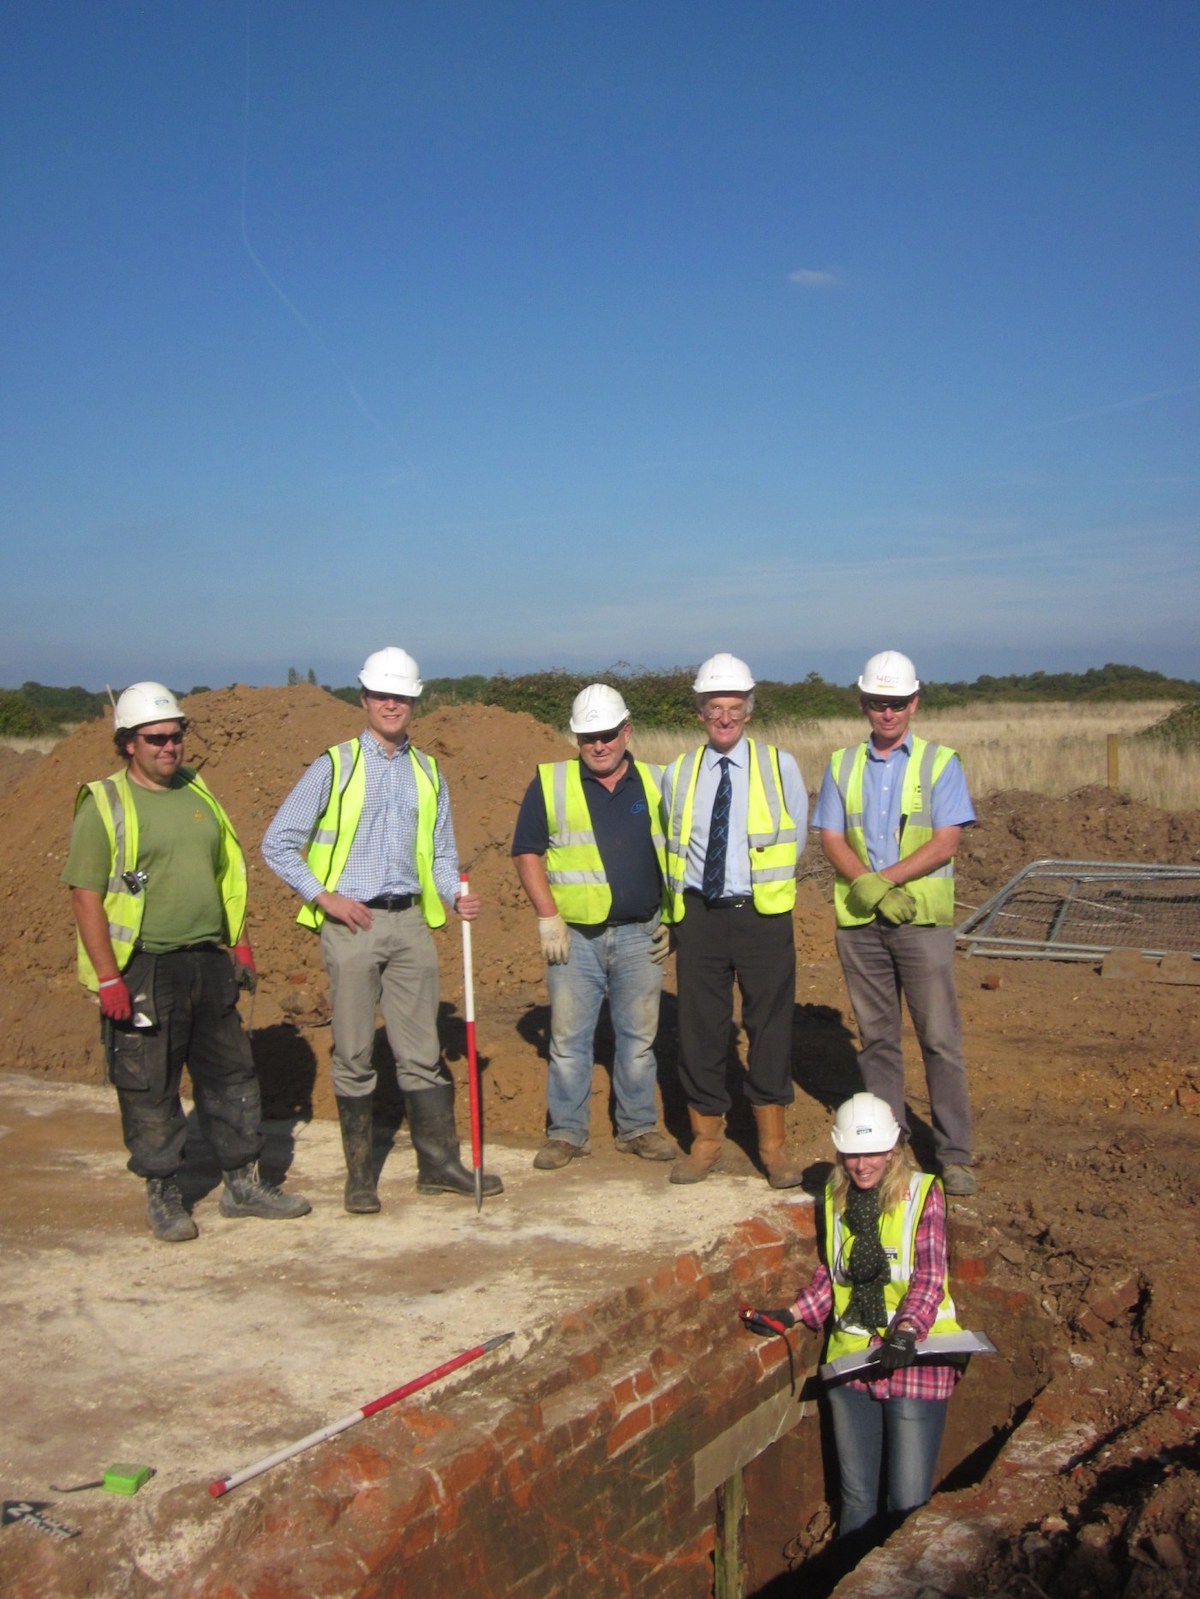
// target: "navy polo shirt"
[[621, 822]]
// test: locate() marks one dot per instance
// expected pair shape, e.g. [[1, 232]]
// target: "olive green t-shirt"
[[179, 849]]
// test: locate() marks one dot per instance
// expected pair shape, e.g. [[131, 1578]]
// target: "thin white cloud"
[[810, 278]]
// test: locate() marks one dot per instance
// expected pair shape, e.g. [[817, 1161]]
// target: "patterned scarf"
[[867, 1266]]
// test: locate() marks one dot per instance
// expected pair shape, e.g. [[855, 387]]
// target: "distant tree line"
[[656, 698]]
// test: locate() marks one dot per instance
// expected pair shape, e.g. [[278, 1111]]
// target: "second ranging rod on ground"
[[223, 1484]]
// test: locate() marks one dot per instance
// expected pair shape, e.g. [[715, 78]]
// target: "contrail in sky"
[[337, 366], [1107, 410]]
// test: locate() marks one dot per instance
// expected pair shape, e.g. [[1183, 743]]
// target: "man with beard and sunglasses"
[[158, 888], [890, 814]]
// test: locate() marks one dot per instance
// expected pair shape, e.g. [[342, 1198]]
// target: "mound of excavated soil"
[[14, 764], [253, 743]]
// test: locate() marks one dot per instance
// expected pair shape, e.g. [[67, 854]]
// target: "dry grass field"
[[1044, 749]]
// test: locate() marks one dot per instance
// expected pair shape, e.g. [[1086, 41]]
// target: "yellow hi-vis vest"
[[574, 868], [123, 908], [771, 831], [898, 1235], [329, 849], [934, 893]]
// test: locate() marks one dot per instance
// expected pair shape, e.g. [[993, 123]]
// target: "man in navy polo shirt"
[[589, 850]]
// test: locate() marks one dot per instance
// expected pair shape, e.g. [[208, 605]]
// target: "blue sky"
[[530, 333]]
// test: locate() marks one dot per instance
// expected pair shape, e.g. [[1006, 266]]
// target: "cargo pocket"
[[127, 1060]]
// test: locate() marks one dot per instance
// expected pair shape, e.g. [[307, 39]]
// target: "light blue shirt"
[[383, 856], [883, 788], [737, 861]]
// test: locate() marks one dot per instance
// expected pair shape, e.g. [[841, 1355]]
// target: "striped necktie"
[[718, 836]]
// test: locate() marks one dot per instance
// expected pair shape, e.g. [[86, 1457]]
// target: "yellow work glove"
[[555, 938], [865, 893], [660, 943], [897, 906]]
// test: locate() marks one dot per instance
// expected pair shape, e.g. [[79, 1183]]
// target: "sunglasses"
[[600, 738], [887, 705], [161, 740]]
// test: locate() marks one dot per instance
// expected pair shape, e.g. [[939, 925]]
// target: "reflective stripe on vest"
[[336, 827], [934, 893], [771, 832], [898, 1235], [574, 868], [122, 908]]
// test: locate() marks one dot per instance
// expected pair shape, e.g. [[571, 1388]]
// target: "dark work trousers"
[[190, 996], [714, 948]]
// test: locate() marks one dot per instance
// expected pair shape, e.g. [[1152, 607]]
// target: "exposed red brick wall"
[[564, 1474]]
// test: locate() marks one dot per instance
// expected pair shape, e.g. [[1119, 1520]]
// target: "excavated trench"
[[789, 1491]]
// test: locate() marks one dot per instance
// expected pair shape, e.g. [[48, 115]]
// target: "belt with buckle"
[[392, 902], [730, 902]]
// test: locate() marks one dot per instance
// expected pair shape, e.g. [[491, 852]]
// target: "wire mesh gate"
[[1080, 910]]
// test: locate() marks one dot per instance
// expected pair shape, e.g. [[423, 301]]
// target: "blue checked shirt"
[[383, 856]]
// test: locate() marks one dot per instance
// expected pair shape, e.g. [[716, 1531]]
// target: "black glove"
[[767, 1322], [898, 1349]]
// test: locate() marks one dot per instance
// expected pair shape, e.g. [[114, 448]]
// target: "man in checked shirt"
[[366, 840]]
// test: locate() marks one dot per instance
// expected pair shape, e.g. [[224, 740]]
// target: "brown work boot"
[[648, 1146], [708, 1140], [782, 1171]]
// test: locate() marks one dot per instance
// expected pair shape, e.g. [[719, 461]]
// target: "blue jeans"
[[612, 962], [911, 1432]]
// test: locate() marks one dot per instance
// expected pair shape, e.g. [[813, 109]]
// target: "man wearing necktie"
[[737, 812]]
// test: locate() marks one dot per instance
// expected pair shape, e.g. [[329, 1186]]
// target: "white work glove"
[[555, 938], [660, 943]]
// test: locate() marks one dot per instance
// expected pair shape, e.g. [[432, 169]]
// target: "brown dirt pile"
[[253, 743]]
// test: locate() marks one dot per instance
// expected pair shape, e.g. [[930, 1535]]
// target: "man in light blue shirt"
[[890, 814], [366, 840]]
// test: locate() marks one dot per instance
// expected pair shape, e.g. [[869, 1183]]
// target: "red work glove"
[[244, 968], [766, 1322], [114, 999]]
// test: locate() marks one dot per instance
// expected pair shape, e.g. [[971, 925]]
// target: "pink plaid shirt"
[[927, 1379]]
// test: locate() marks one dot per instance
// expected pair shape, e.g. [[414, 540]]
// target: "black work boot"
[[430, 1113], [247, 1195], [166, 1212], [357, 1119]]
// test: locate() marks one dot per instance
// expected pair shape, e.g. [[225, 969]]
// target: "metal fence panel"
[[1080, 910]]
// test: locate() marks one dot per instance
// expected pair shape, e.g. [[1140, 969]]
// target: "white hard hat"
[[723, 674], [864, 1125], [145, 702], [889, 673], [598, 708], [391, 671]]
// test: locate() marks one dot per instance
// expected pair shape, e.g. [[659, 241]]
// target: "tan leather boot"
[[782, 1171], [708, 1139]]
